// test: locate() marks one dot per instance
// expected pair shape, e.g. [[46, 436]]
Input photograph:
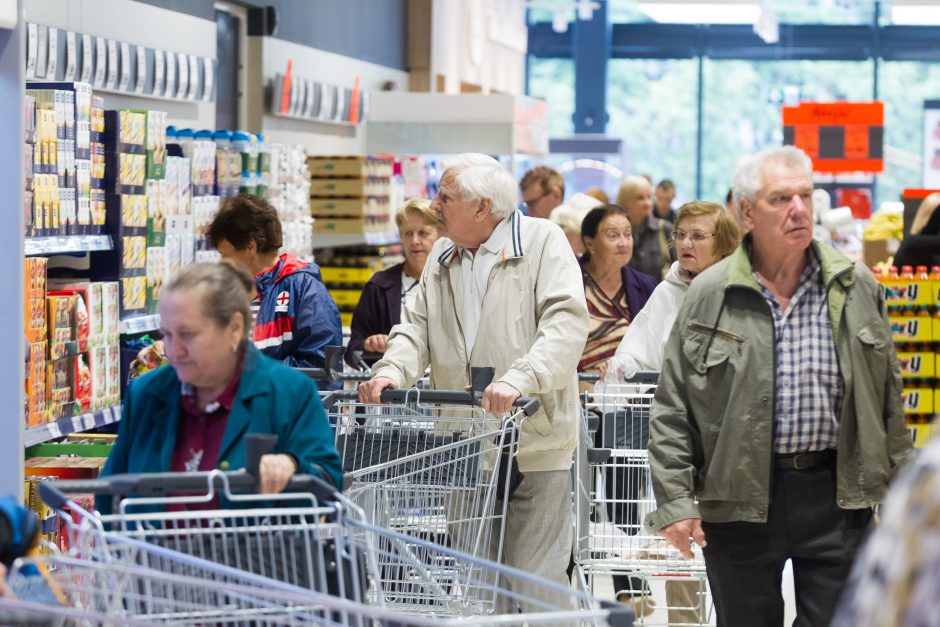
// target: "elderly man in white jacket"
[[705, 233], [503, 290]]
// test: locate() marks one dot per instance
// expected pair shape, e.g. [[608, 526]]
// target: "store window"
[[553, 80], [652, 107], [741, 113], [903, 86]]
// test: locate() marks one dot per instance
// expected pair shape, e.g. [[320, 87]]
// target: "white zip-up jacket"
[[641, 349], [533, 327]]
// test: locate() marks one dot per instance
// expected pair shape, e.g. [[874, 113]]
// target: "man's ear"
[[483, 209], [747, 212]]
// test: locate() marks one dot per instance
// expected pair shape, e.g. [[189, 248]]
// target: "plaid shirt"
[[808, 387]]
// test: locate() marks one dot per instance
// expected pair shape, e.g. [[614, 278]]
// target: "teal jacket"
[[711, 424], [272, 398]]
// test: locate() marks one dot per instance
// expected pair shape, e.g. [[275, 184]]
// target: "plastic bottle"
[[241, 142], [224, 180]]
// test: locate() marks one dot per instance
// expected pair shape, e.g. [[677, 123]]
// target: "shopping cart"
[[131, 577], [432, 464], [613, 496]]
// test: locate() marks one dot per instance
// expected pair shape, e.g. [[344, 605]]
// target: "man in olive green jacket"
[[777, 422]]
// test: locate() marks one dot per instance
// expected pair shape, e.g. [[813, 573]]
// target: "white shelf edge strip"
[[140, 324], [66, 244], [75, 424]]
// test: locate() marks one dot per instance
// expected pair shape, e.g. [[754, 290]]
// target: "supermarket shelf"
[[140, 324], [61, 244], [304, 118], [75, 424], [381, 238]]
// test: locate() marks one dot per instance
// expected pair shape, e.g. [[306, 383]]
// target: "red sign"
[[838, 136]]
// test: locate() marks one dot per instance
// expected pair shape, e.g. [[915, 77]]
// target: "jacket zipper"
[[696, 326]]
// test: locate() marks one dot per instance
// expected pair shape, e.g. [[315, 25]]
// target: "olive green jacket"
[[711, 426]]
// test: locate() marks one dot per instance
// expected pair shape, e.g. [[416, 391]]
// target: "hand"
[[376, 344], [602, 370], [276, 471], [371, 390], [679, 532], [498, 397]]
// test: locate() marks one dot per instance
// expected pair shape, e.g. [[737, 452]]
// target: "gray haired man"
[[503, 290], [777, 422]]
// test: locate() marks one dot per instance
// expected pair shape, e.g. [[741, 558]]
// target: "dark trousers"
[[745, 561]]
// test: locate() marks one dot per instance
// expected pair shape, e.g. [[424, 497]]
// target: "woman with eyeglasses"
[[705, 233]]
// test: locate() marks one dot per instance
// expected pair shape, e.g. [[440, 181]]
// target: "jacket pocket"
[[540, 420], [706, 348], [874, 346]]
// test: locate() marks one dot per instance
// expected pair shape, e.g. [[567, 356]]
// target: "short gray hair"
[[749, 170], [223, 287], [478, 176], [570, 214]]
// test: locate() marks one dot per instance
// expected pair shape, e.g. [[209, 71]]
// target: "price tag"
[[141, 70], [125, 66], [182, 80], [170, 75], [208, 80], [32, 35], [70, 61], [856, 142], [807, 138], [87, 59], [193, 77], [159, 71], [112, 65], [101, 62], [42, 58], [53, 64]]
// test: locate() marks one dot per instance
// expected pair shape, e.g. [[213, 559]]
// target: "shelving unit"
[[75, 424], [382, 238], [65, 244]]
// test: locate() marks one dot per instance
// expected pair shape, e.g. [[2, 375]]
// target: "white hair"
[[570, 214], [749, 170], [479, 176]]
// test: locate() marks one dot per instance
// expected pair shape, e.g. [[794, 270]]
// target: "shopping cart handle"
[[528, 404], [618, 614], [53, 493], [598, 455]]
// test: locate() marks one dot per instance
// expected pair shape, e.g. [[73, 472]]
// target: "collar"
[[285, 266], [505, 241], [833, 265]]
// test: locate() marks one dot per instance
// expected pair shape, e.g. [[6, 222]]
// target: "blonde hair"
[[927, 206], [631, 188], [727, 235], [548, 178], [417, 207], [570, 214], [600, 194]]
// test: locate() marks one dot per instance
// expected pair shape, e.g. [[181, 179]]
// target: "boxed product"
[[61, 324], [111, 308], [156, 275], [156, 219], [92, 304], [98, 366], [125, 131], [156, 144], [133, 295], [133, 254], [114, 374]]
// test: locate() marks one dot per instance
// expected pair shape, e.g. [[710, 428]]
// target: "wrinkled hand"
[[371, 390], [679, 532], [376, 344], [498, 397], [602, 370], [275, 471]]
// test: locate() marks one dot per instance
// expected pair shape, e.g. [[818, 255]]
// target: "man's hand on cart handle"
[[679, 532], [376, 343], [275, 471], [498, 397], [371, 391]]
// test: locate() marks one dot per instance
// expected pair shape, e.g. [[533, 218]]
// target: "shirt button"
[[223, 465], [764, 399]]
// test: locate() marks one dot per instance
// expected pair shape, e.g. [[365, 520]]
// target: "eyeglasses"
[[527, 203], [696, 237]]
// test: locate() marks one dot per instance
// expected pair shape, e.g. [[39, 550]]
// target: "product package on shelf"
[[347, 271], [913, 299], [351, 195], [288, 191]]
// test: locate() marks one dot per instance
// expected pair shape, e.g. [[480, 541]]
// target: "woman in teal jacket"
[[192, 414]]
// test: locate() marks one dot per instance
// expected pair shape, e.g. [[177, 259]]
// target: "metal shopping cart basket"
[[432, 464], [613, 496], [129, 578]]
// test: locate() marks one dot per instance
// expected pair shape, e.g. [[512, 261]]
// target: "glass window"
[[652, 107], [903, 86], [553, 80], [741, 113], [724, 12]]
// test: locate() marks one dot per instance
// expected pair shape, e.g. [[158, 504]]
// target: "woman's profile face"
[[199, 349]]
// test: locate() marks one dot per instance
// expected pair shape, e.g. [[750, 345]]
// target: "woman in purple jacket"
[[388, 292]]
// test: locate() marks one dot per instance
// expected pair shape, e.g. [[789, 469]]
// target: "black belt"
[[804, 461]]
